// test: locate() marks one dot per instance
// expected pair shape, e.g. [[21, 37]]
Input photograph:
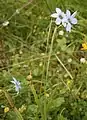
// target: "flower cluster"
[[66, 19]]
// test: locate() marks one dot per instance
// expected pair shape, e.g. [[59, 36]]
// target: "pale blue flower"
[[17, 85], [69, 20], [59, 15]]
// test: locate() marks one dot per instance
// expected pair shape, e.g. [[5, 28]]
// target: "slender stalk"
[[48, 37], [53, 37], [63, 66], [78, 32], [48, 63]]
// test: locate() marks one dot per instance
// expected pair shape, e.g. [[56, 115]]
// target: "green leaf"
[[55, 103]]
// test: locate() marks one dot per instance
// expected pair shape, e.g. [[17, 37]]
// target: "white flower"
[[61, 32], [17, 11], [6, 23], [69, 60], [17, 85], [59, 15], [83, 60], [69, 20]]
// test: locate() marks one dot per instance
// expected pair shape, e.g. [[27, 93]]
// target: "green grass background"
[[26, 47]]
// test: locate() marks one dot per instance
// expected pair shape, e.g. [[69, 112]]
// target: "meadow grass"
[[51, 68]]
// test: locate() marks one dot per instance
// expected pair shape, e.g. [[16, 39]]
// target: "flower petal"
[[64, 24], [17, 88], [58, 21], [58, 10], [68, 13], [68, 27], [63, 14], [14, 79], [17, 83], [54, 15], [13, 82], [74, 21], [64, 21]]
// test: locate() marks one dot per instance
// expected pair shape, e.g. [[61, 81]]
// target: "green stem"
[[63, 66], [48, 37], [48, 63], [53, 37], [78, 32]]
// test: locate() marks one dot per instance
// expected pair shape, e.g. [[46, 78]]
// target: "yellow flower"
[[84, 46], [6, 109]]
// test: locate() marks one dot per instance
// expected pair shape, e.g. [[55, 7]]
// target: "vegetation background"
[[53, 80]]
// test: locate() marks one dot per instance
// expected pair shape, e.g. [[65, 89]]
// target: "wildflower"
[[17, 85], [2, 106], [6, 23], [17, 11], [59, 15], [84, 46], [42, 54], [58, 52], [66, 75], [69, 20], [68, 82], [69, 60], [83, 60], [61, 32], [41, 64], [20, 52], [6, 109], [25, 66]]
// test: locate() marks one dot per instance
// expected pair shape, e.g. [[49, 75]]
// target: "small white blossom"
[[6, 23], [69, 60], [17, 11], [83, 60], [61, 32], [66, 75], [25, 66], [66, 19], [59, 15], [69, 20]]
